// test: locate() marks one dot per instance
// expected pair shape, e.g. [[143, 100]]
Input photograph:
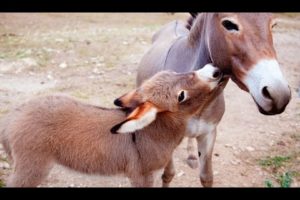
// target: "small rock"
[[97, 71], [216, 173], [234, 162], [50, 77], [31, 73], [125, 43], [180, 173], [63, 65], [228, 145], [249, 148], [216, 154]]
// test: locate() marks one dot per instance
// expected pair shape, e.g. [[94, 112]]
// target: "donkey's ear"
[[128, 100], [194, 14], [141, 116]]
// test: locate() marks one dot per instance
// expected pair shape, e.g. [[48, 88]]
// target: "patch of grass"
[[285, 179], [1, 183], [268, 184], [274, 162]]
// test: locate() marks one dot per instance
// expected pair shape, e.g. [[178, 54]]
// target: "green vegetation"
[[274, 162]]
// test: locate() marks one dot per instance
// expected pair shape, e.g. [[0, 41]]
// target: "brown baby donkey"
[[59, 129]]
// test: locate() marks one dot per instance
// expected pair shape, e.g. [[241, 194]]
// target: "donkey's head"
[[181, 94], [242, 45]]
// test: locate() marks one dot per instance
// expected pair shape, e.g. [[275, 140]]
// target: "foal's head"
[[180, 94]]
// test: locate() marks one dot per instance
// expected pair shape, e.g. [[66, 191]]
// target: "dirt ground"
[[94, 57]]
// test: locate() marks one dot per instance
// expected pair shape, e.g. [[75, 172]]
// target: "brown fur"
[[186, 46], [59, 129]]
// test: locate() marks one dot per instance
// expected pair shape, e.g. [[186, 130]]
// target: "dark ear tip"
[[117, 102], [114, 129]]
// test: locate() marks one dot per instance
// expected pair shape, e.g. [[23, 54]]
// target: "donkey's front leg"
[[168, 174], [205, 149]]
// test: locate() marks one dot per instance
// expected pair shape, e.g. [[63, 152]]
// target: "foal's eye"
[[182, 96], [230, 26]]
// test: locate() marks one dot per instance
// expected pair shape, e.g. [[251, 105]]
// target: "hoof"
[[206, 183], [192, 162]]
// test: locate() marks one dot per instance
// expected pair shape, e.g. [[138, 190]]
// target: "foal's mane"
[[191, 20]]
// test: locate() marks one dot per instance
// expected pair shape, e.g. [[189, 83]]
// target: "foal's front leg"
[[205, 149], [168, 174]]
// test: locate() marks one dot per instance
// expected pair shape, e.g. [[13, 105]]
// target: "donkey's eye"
[[182, 96], [230, 26]]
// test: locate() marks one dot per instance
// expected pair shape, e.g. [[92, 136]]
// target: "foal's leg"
[[168, 174], [205, 150], [142, 180], [29, 171]]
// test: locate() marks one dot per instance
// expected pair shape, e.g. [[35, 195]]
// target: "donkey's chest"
[[197, 127]]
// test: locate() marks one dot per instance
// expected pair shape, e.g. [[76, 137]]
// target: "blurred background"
[[94, 57]]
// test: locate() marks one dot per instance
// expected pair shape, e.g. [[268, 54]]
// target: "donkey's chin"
[[273, 111]]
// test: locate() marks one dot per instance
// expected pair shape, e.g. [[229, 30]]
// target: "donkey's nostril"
[[216, 74], [266, 93]]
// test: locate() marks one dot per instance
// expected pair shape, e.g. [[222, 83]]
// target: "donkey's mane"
[[191, 20]]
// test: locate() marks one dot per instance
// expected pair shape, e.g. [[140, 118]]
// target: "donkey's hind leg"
[[192, 159], [29, 171]]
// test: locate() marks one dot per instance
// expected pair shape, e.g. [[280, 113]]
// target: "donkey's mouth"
[[273, 111]]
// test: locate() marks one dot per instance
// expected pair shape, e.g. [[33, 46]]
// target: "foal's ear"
[[141, 116], [128, 100]]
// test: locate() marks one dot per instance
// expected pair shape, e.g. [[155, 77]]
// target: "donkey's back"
[[155, 59]]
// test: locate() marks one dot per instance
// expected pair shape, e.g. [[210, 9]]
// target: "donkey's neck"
[[197, 39]]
